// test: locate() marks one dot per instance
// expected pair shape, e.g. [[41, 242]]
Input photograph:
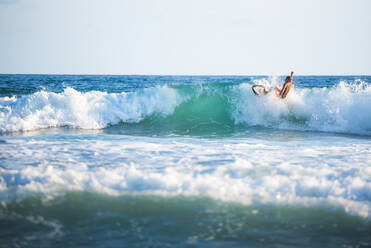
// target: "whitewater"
[[188, 161]]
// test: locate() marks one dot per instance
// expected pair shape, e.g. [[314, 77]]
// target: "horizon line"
[[192, 75]]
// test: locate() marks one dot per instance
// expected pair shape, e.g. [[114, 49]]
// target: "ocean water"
[[184, 161]]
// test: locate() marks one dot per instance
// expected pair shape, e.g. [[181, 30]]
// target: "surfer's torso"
[[285, 90]]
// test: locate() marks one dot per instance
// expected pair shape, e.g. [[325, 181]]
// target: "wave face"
[[344, 108]]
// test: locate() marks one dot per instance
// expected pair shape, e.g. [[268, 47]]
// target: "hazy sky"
[[185, 37]]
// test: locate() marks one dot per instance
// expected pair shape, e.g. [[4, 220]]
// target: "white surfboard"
[[259, 90]]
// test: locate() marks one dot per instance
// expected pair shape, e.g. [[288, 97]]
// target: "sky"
[[172, 37]]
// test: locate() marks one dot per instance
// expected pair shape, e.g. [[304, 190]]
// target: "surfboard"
[[259, 90]]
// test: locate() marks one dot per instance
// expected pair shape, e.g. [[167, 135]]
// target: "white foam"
[[342, 108], [337, 175], [90, 110]]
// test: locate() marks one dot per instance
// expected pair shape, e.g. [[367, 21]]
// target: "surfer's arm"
[[286, 87], [278, 91]]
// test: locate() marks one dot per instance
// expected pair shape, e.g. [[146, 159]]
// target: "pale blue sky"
[[206, 37]]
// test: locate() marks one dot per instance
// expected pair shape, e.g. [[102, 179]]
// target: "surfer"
[[285, 88]]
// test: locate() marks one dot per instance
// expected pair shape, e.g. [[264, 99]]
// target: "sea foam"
[[90, 110], [342, 108], [321, 175]]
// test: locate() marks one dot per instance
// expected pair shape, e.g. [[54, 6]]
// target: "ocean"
[[184, 161]]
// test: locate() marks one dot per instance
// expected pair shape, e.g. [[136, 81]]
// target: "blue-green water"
[[184, 161]]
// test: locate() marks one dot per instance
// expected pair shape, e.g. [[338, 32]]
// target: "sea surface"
[[184, 161]]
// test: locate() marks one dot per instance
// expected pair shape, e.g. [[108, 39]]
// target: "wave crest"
[[90, 110]]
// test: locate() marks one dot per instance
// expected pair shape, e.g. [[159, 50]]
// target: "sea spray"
[[90, 110]]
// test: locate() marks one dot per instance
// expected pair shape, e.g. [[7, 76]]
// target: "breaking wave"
[[343, 108]]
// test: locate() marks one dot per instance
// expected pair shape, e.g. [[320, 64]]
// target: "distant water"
[[185, 161]]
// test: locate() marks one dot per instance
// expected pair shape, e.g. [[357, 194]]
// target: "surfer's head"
[[287, 79]]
